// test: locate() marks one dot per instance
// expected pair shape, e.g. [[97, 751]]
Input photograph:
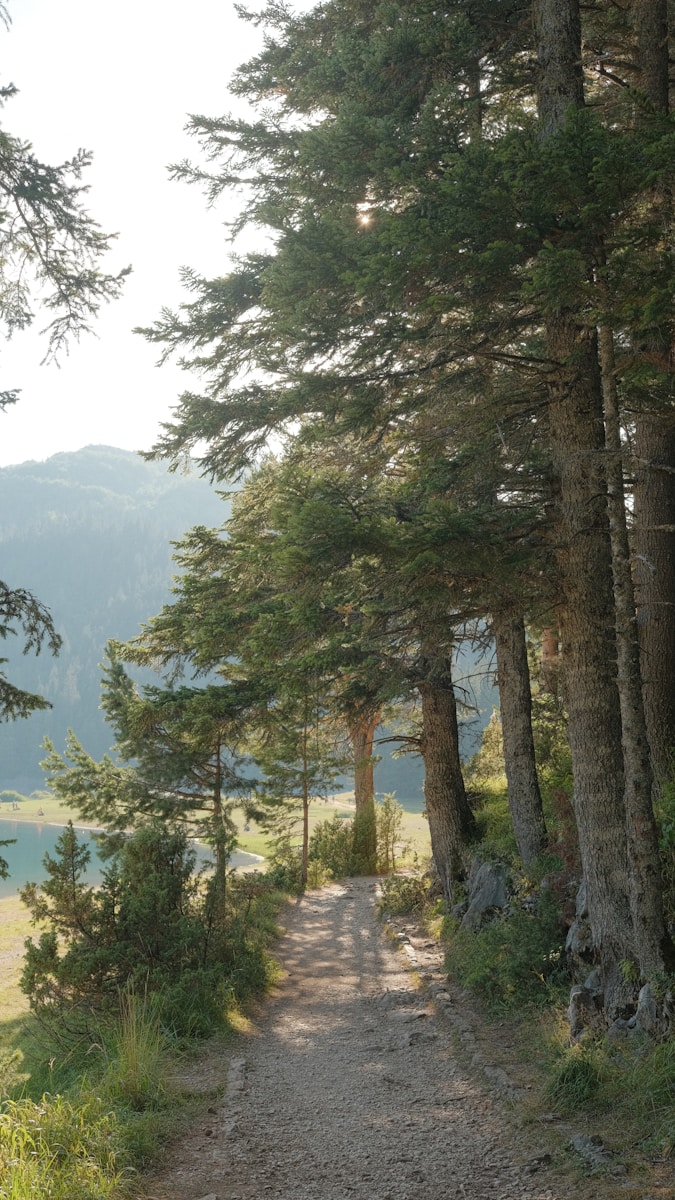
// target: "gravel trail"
[[348, 1085]]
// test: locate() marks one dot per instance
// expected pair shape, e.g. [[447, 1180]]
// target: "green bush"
[[512, 961], [332, 845], [364, 843], [284, 869], [388, 821], [494, 828], [196, 1005], [152, 927], [404, 894], [145, 925]]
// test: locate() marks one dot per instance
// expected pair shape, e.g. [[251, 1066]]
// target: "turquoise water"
[[33, 841]]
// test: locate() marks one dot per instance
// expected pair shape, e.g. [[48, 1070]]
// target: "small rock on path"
[[348, 1085]]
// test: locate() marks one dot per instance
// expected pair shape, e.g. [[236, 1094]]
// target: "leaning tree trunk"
[[515, 700], [362, 729], [450, 818], [587, 612]]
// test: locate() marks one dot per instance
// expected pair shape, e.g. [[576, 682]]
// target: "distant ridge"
[[89, 533]]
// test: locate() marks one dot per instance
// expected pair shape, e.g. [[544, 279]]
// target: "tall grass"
[[627, 1089], [63, 1150], [136, 1052]]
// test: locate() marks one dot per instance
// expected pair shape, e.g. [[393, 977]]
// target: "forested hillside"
[[89, 534]]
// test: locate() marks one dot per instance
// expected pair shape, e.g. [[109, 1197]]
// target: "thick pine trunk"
[[362, 735], [650, 22], [655, 451], [643, 849], [587, 611], [515, 698], [654, 506], [589, 650], [447, 807]]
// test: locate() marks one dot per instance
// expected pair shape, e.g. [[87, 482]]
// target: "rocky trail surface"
[[349, 1084]]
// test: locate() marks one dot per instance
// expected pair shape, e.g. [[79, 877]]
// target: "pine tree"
[[50, 251], [442, 259]]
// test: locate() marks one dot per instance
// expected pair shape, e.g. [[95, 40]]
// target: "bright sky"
[[118, 79]]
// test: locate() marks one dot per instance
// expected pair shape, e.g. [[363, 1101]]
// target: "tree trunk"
[[654, 506], [587, 613], [654, 497], [513, 678], [222, 857], [304, 861], [643, 848], [362, 734], [550, 661], [650, 22], [450, 818]]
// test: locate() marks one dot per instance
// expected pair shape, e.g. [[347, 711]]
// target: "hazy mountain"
[[89, 533]]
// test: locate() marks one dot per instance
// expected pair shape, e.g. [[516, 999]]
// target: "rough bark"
[[654, 497], [513, 678], [361, 735], [654, 508], [550, 661], [448, 812], [643, 849], [587, 611], [589, 650], [650, 23]]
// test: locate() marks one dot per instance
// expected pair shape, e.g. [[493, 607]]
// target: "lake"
[[34, 841]]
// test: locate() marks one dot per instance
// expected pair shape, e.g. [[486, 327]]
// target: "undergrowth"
[[401, 894], [512, 961], [115, 999], [61, 1148], [626, 1089]]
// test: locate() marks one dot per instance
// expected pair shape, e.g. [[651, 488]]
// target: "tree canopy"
[[466, 212], [51, 253]]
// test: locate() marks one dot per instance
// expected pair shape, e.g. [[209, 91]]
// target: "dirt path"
[[349, 1087]]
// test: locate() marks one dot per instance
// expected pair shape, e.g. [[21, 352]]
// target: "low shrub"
[[494, 828], [284, 867], [405, 894], [332, 846], [512, 961]]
